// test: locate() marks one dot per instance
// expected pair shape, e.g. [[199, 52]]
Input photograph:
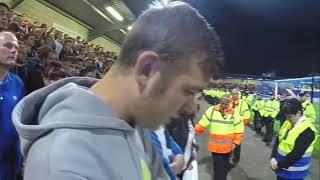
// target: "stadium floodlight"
[[129, 28], [98, 11], [123, 31], [114, 13]]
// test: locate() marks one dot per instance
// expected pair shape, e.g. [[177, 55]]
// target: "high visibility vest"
[[249, 99], [259, 105], [309, 111], [222, 129], [276, 108], [205, 92], [212, 93], [271, 108], [145, 170], [242, 111], [287, 137]]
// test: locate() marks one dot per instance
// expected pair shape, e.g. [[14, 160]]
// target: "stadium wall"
[[107, 44], [35, 11], [10, 3]]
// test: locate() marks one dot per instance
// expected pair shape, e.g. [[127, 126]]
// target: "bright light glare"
[[129, 28], [123, 31], [114, 13], [165, 2]]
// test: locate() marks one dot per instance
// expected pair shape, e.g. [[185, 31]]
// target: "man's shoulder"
[[15, 79], [89, 147], [84, 152], [308, 103]]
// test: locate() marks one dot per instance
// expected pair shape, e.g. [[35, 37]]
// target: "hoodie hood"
[[64, 104]]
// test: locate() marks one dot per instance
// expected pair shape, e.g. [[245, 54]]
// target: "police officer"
[[270, 111], [308, 108], [258, 110]]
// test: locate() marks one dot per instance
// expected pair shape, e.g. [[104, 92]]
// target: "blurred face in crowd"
[[76, 47], [162, 97], [67, 46], [90, 48], [22, 54], [4, 17], [89, 62], [235, 94], [8, 49], [70, 68], [48, 41], [31, 40], [38, 33], [52, 35], [83, 51], [51, 57], [44, 30], [59, 35], [91, 55], [225, 103]]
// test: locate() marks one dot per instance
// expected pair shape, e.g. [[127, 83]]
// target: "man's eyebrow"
[[196, 88]]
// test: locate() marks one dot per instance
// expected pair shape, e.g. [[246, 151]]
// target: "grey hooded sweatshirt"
[[67, 133]]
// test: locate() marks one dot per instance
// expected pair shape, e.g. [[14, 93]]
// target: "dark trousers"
[[257, 121], [280, 178], [236, 154], [268, 121], [221, 166]]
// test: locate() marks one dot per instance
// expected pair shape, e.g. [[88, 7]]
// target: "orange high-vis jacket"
[[222, 126]]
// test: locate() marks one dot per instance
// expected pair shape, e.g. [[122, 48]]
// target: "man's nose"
[[189, 107]]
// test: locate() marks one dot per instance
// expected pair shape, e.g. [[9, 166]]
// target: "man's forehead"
[[8, 37], [2, 8]]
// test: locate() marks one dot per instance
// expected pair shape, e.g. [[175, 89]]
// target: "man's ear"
[[148, 63], [299, 113]]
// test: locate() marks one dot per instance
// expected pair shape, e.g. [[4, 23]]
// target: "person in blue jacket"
[[169, 150], [11, 91]]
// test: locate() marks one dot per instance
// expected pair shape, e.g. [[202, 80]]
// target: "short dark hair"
[[27, 36], [45, 50], [13, 27], [177, 32], [71, 59], [87, 69], [4, 5], [291, 106]]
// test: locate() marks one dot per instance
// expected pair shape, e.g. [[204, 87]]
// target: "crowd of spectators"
[[47, 54]]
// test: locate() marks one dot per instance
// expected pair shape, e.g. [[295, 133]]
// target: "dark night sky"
[[264, 35]]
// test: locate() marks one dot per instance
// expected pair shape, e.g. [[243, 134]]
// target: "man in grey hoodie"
[[80, 129]]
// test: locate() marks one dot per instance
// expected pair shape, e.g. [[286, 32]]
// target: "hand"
[[177, 164], [194, 156], [274, 164], [190, 166], [234, 146]]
